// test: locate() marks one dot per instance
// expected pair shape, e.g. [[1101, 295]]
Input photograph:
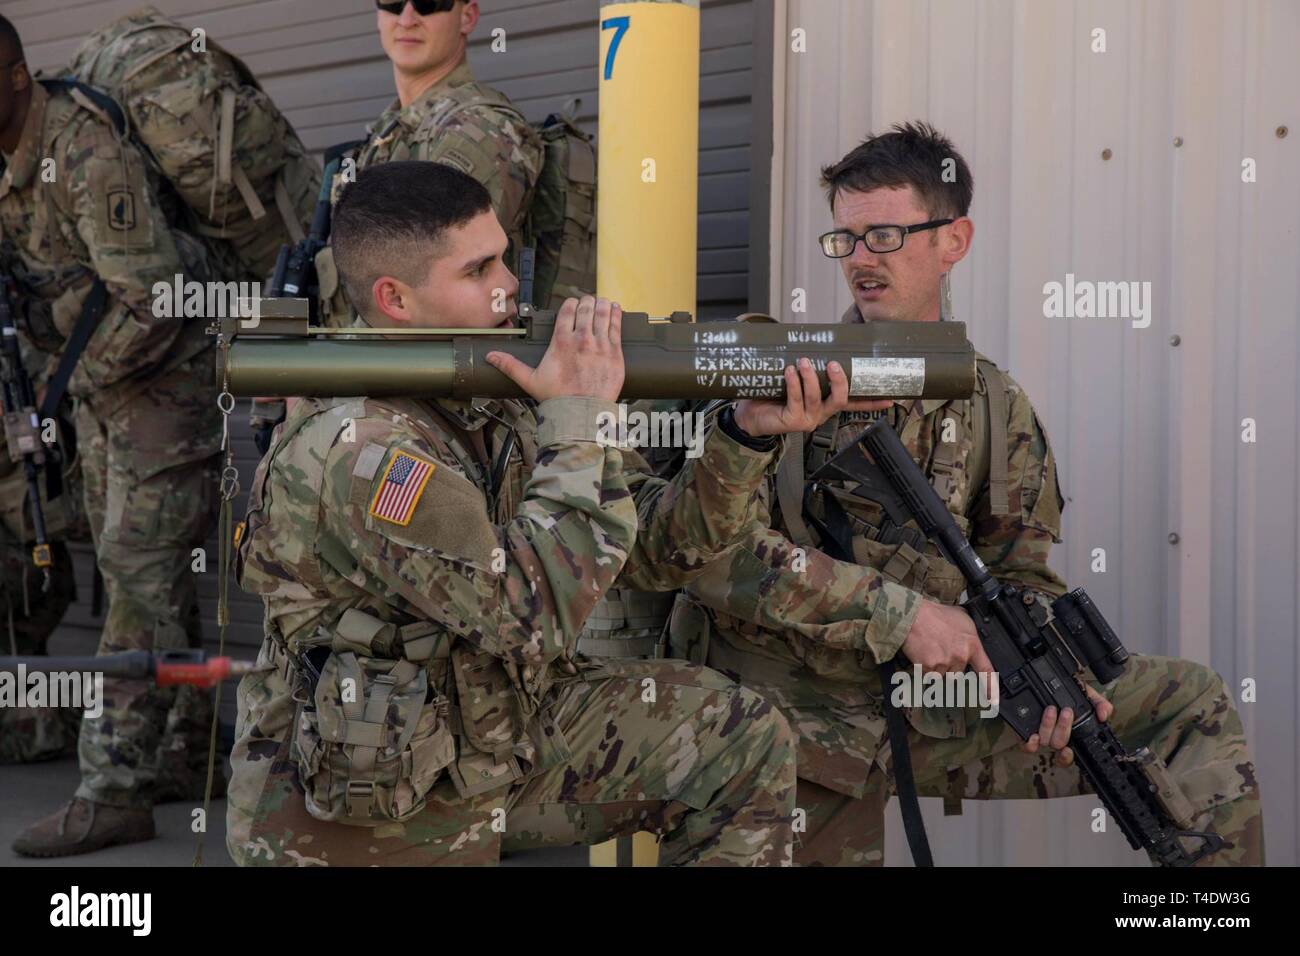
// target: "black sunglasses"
[[422, 7]]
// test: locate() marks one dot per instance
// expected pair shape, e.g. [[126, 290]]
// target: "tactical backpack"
[[560, 225], [561, 222], [213, 134]]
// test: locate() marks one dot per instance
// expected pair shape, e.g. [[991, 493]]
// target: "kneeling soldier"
[[427, 565]]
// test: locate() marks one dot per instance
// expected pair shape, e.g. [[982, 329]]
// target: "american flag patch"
[[401, 488]]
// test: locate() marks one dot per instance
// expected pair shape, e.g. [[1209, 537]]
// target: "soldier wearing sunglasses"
[[443, 114]]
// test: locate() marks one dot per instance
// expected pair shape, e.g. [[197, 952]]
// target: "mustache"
[[868, 275]]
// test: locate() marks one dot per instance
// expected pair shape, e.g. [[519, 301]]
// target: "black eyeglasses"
[[840, 243], [422, 7]]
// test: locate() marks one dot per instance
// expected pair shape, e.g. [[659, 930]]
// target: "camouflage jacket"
[[77, 202], [464, 124], [807, 632], [508, 577]]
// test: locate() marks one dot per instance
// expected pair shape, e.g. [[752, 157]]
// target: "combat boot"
[[82, 826]]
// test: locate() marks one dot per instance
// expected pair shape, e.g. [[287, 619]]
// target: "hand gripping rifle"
[[22, 427], [1039, 658]]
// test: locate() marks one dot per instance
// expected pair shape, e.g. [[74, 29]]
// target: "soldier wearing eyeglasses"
[[812, 642]]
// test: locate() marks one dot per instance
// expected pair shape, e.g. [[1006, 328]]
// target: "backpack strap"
[[790, 490], [999, 486], [92, 310], [228, 171], [97, 101], [455, 103], [943, 462], [804, 454]]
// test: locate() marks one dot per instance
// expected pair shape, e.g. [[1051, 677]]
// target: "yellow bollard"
[[649, 154], [646, 201]]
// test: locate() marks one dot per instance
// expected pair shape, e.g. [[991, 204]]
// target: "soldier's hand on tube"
[[804, 409], [943, 639], [584, 359], [1054, 729]]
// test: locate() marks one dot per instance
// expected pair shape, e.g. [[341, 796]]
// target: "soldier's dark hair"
[[11, 45], [910, 154], [393, 219]]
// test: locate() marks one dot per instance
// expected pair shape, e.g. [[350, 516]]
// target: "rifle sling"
[[904, 783], [790, 490], [92, 310], [836, 536]]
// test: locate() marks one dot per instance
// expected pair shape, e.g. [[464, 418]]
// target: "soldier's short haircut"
[[910, 154], [11, 45], [392, 222]]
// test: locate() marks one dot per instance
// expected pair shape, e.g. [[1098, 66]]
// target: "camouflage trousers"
[[1181, 710], [151, 472], [28, 616], [664, 747]]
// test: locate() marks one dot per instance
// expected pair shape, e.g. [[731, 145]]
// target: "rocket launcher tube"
[[672, 358]]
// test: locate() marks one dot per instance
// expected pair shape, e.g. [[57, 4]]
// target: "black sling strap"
[[836, 540], [904, 782], [92, 310]]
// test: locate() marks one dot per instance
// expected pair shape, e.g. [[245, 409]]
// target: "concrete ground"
[[29, 792]]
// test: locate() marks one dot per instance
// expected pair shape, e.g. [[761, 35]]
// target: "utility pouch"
[[375, 735]]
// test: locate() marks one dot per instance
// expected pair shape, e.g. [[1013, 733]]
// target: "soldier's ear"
[[957, 240], [20, 78], [469, 18], [392, 299]]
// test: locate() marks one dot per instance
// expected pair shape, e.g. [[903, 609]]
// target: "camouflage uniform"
[[147, 423], [811, 641], [569, 751], [477, 130], [461, 123]]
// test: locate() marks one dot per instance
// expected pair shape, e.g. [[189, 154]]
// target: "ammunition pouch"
[[497, 703], [626, 623], [688, 633], [375, 732]]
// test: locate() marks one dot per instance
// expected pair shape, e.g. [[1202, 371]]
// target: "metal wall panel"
[[1148, 433]]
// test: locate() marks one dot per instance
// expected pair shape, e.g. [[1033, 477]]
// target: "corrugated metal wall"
[[322, 63], [1149, 434]]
